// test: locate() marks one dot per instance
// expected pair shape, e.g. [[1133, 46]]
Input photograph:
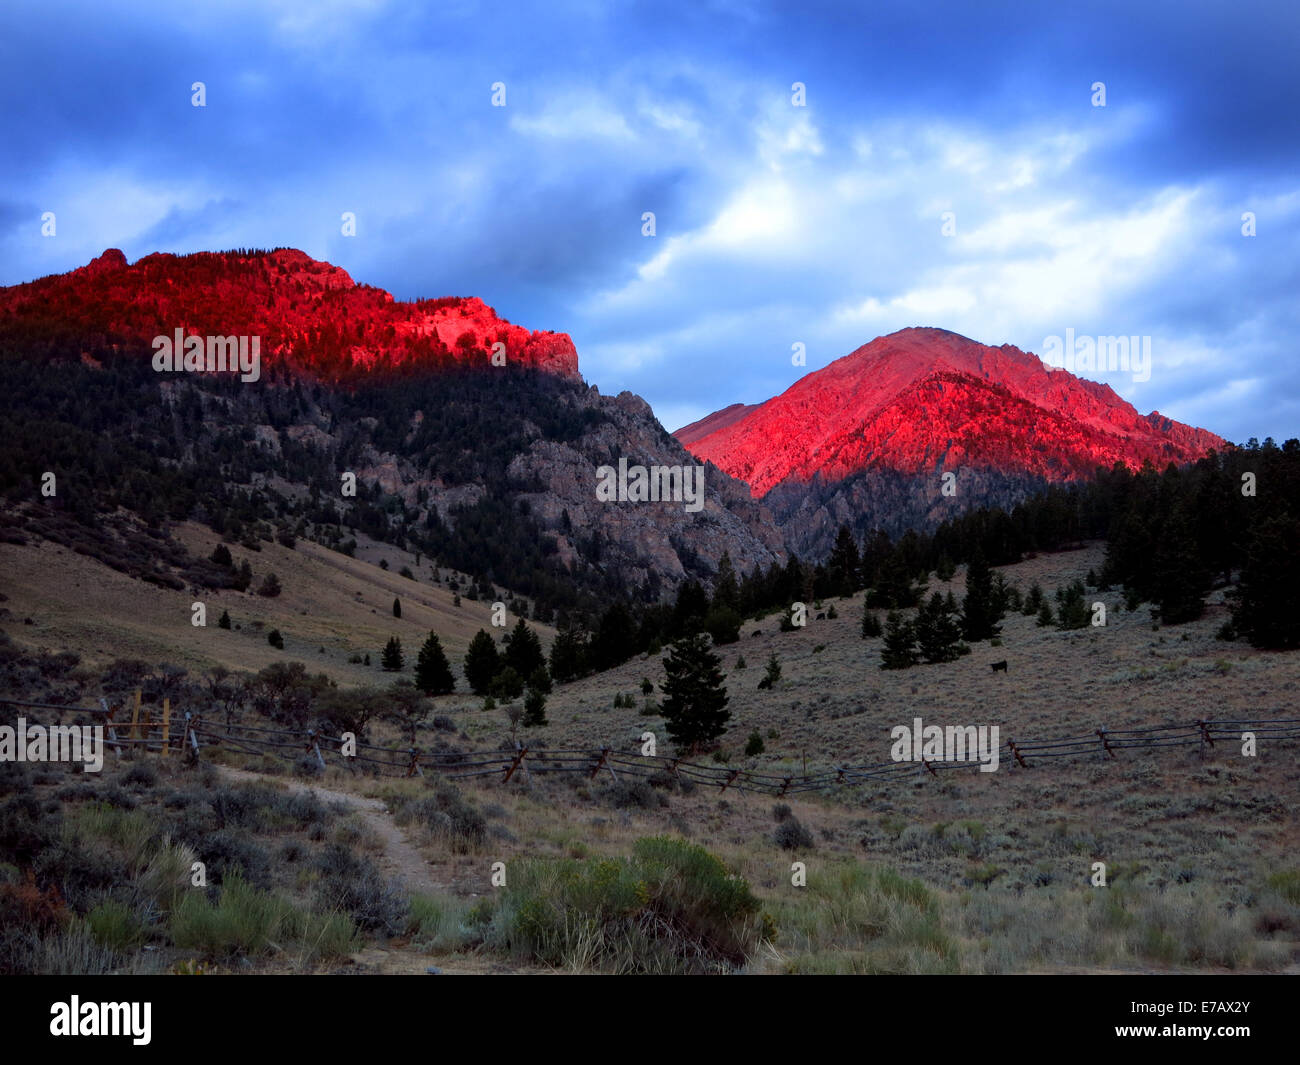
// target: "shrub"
[[116, 926], [790, 835], [447, 814], [275, 639], [669, 908], [352, 885], [754, 745], [243, 921]]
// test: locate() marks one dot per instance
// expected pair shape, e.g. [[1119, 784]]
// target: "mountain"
[[489, 469], [310, 315], [865, 440]]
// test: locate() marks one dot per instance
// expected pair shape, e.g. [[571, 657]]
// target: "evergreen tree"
[[616, 638], [432, 671], [899, 651], [723, 624], [392, 660], [1180, 580], [773, 673], [224, 621], [980, 611], [938, 632], [896, 586], [695, 699], [690, 610], [481, 662], [270, 586], [275, 639], [524, 651], [1033, 600], [539, 687], [540, 680], [568, 655], [844, 563], [397, 608], [221, 556], [1072, 611], [1266, 609], [507, 684], [870, 624], [726, 593]]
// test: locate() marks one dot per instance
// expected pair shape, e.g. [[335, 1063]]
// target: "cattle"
[[996, 666]]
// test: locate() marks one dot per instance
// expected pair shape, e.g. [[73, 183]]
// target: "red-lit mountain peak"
[[305, 310], [924, 399]]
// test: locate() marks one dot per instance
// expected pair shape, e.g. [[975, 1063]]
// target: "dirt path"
[[398, 858]]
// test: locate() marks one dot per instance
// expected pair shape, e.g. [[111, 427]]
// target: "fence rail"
[[194, 735]]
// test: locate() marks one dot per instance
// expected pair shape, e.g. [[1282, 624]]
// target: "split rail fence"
[[163, 732]]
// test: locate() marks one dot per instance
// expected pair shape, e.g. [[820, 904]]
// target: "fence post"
[[135, 717], [730, 777], [1205, 737], [412, 770], [166, 724], [1105, 744], [194, 740], [926, 762], [520, 752], [1016, 751], [314, 745], [785, 783], [108, 719]]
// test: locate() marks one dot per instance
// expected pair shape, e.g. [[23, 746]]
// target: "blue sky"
[[820, 225]]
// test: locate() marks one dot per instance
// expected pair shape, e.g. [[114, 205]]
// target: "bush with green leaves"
[[671, 907]]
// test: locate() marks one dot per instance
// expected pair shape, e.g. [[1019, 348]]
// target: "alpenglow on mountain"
[[865, 440], [488, 468]]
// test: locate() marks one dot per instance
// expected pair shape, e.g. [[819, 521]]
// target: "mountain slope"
[[490, 470], [892, 416]]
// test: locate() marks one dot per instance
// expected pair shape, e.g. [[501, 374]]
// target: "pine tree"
[[616, 638], [391, 660], [844, 563], [224, 621], [773, 673], [938, 633], [534, 709], [899, 651], [726, 593], [432, 671], [1179, 579], [568, 655], [695, 699], [397, 608], [524, 651], [1265, 611], [980, 611], [870, 624], [481, 662]]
